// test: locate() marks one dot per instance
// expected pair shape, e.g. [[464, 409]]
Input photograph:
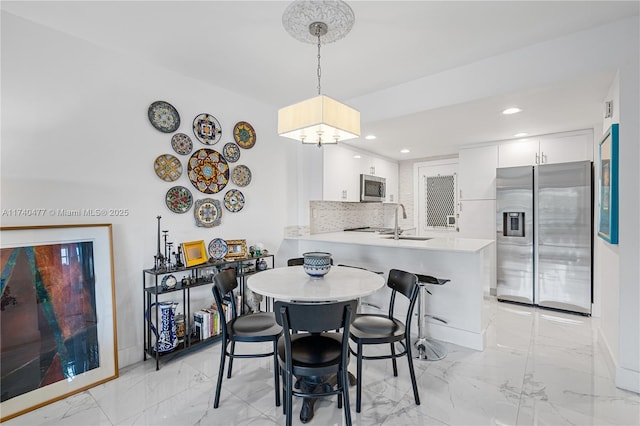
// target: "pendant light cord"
[[319, 70]]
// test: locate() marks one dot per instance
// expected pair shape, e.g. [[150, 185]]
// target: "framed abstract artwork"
[[57, 313], [608, 185]]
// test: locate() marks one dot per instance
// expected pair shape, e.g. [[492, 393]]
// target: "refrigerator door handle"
[[537, 158]]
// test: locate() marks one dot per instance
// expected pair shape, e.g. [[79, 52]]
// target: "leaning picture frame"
[[608, 185], [195, 253], [236, 249], [58, 313]]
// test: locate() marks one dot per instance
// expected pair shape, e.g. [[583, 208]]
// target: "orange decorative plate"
[[167, 167]]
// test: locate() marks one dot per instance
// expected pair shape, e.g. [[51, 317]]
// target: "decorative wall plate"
[[179, 199], [241, 175], [207, 212], [167, 167], [207, 129], [181, 143], [244, 135], [218, 248], [163, 116], [233, 200], [208, 171], [231, 152]]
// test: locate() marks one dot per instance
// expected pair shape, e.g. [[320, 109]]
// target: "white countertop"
[[373, 239]]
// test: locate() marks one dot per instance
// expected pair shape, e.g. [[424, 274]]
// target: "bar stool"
[[428, 349]]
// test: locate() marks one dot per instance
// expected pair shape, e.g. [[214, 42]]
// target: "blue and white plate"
[[218, 248]]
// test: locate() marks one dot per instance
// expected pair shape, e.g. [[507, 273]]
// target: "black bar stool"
[[428, 349]]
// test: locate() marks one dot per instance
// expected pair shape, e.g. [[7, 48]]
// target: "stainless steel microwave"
[[372, 188]]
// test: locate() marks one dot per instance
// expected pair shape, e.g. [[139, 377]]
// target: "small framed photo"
[[608, 186], [236, 248], [195, 253]]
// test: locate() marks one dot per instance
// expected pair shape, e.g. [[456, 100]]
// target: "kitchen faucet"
[[396, 230]]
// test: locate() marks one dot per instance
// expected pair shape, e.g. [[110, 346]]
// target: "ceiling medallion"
[[299, 15]]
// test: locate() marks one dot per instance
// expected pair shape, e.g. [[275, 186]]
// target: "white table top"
[[292, 283]]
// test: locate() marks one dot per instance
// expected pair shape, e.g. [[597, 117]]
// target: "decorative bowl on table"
[[316, 263]]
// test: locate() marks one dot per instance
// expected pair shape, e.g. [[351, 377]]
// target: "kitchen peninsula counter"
[[469, 263], [384, 240]]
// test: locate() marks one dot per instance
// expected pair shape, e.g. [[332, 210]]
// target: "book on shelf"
[[198, 320], [207, 323]]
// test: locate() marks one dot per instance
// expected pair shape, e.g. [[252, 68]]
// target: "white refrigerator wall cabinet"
[[544, 235]]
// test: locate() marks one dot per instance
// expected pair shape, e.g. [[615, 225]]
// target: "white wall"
[[616, 267], [606, 268], [75, 134], [628, 372]]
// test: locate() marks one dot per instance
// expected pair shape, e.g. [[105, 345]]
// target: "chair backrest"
[[315, 317], [428, 279], [406, 284], [223, 285], [296, 261]]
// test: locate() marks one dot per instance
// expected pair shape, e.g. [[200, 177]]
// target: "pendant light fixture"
[[321, 119]]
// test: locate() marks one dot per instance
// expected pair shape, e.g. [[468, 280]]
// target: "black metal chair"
[[299, 261], [375, 329], [316, 353], [256, 327]]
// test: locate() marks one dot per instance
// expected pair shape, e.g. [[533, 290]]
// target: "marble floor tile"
[[539, 367]]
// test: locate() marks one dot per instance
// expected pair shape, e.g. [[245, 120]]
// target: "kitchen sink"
[[409, 237]]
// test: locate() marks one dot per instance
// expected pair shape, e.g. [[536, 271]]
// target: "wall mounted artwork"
[[57, 313], [608, 186]]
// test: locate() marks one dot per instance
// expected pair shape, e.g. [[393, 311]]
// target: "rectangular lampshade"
[[319, 120]]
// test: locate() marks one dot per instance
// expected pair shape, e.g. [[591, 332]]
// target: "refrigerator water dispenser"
[[513, 224]]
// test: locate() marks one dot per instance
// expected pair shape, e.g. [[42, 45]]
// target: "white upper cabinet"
[[549, 149], [341, 173], [563, 149], [518, 153], [477, 173]]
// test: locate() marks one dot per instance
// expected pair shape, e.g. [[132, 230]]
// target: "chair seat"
[[254, 327], [376, 328], [317, 352]]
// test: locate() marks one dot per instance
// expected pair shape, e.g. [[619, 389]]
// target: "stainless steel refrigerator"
[[544, 235]]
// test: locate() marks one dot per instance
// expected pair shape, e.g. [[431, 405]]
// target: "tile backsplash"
[[333, 216]]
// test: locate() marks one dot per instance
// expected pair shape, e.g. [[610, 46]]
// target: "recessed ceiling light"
[[511, 111], [356, 156], [405, 151], [370, 137], [521, 134]]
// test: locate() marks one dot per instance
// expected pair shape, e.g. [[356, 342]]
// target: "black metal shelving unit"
[[200, 275]]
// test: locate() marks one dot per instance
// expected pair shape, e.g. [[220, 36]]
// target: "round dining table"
[[293, 284]]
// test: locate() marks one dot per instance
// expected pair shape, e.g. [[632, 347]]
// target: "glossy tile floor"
[[539, 368]]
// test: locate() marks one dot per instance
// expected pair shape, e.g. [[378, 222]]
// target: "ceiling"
[[242, 46]]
